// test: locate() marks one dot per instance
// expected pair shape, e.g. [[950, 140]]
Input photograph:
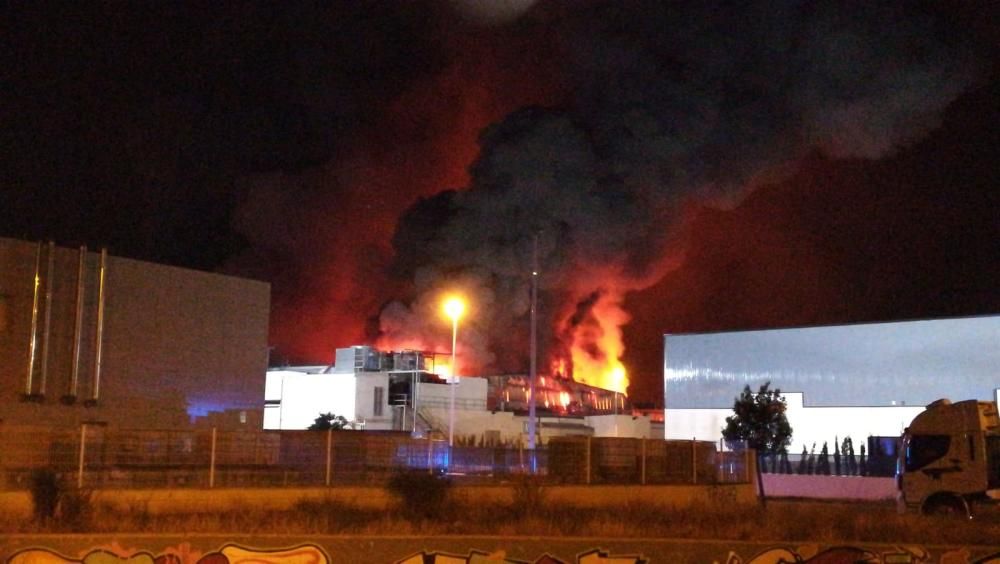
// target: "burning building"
[[411, 391]]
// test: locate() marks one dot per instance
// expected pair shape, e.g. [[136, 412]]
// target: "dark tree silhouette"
[[786, 466], [836, 456], [759, 421], [823, 463], [852, 462], [328, 421]]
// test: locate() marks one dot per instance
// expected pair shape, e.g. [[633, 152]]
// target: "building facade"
[[399, 391], [90, 337], [846, 380]]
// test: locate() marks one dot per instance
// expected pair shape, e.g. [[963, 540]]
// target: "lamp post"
[[454, 308], [533, 371]]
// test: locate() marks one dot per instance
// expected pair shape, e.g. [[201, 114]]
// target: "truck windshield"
[[924, 449], [993, 461]]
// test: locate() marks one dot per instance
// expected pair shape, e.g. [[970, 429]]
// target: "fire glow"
[[596, 346], [589, 350]]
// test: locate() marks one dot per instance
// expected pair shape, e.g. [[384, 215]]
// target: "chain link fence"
[[100, 457]]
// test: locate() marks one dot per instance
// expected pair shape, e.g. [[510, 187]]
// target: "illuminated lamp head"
[[454, 307]]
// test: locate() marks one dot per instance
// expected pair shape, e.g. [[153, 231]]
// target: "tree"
[[852, 462], [836, 456], [823, 464], [759, 421], [786, 466], [327, 421]]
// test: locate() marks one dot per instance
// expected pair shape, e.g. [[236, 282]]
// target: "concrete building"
[[400, 391], [89, 337], [847, 380]]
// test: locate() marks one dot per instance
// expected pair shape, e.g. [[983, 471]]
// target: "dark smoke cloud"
[[673, 104], [321, 235], [284, 142]]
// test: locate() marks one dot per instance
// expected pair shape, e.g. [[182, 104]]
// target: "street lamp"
[[454, 307]]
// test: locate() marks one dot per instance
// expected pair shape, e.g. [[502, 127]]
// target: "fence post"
[[430, 454], [587, 459], [643, 475], [83, 450], [746, 464], [256, 448], [694, 460], [329, 443], [520, 454], [211, 462]]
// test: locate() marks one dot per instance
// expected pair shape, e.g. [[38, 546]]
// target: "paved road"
[[317, 549]]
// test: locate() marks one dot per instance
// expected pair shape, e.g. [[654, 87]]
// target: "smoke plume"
[[673, 104]]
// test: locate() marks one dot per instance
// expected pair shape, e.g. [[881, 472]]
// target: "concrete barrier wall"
[[829, 487], [419, 549]]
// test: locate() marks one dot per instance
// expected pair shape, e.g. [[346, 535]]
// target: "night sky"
[[699, 166]]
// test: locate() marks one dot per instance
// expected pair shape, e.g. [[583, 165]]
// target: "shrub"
[[45, 493], [76, 509], [421, 495], [528, 495], [329, 421]]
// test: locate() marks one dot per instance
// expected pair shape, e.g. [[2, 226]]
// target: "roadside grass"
[[782, 520]]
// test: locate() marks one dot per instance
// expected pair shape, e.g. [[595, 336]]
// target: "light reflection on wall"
[[900, 363]]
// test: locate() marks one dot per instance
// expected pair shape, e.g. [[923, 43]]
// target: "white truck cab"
[[950, 458]]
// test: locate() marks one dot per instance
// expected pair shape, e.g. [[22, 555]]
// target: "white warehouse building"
[[845, 380]]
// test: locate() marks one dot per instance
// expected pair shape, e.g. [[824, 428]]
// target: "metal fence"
[[96, 456], [876, 465]]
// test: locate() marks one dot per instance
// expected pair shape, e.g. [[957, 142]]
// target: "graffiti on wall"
[[184, 554], [595, 556], [304, 554], [314, 554], [811, 554]]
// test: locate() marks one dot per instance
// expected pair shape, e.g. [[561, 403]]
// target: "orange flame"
[[558, 367], [596, 351], [443, 369]]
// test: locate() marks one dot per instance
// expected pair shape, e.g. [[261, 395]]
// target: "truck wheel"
[[947, 506]]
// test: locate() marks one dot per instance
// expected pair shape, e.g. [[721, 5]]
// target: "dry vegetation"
[[781, 520]]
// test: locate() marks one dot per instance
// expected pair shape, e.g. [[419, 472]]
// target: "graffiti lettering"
[[314, 554], [229, 554], [856, 555], [595, 556]]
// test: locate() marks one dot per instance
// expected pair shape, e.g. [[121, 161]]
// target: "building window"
[[379, 401]]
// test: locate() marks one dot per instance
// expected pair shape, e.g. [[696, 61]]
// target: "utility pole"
[[532, 373]]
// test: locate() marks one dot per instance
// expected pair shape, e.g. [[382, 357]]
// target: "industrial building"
[[846, 380], [379, 390], [90, 337]]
